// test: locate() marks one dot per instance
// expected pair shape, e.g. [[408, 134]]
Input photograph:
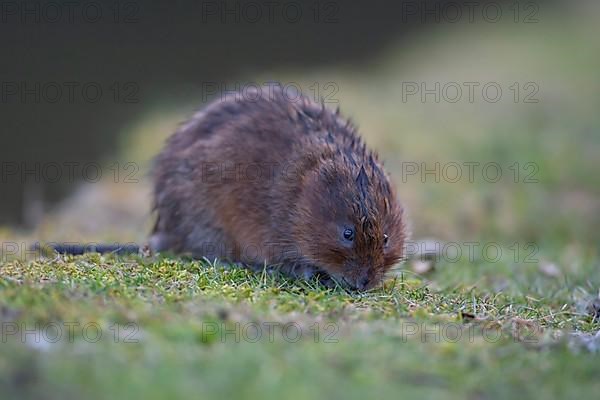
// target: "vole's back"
[[284, 181], [225, 179]]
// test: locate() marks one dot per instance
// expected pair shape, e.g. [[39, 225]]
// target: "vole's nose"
[[362, 282]]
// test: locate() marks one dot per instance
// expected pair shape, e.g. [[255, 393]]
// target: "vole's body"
[[266, 178]]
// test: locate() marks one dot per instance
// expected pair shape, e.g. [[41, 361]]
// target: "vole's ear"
[[362, 180]]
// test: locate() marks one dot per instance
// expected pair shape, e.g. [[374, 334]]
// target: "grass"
[[477, 327], [179, 327]]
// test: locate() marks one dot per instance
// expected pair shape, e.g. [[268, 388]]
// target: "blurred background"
[[486, 113]]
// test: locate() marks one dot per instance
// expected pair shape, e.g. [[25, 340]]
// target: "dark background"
[[152, 52]]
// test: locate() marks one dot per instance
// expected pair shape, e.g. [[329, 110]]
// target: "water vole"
[[268, 178]]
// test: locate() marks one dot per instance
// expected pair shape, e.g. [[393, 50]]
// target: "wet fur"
[[316, 177]]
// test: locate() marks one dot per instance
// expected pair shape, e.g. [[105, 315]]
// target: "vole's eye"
[[386, 239], [349, 234]]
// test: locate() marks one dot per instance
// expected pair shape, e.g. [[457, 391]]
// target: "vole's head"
[[348, 222]]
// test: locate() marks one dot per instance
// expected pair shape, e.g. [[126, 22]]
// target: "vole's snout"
[[363, 282]]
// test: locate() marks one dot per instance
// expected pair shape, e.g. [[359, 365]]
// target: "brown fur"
[[316, 179]]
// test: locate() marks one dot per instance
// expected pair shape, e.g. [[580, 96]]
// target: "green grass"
[[169, 328], [168, 324]]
